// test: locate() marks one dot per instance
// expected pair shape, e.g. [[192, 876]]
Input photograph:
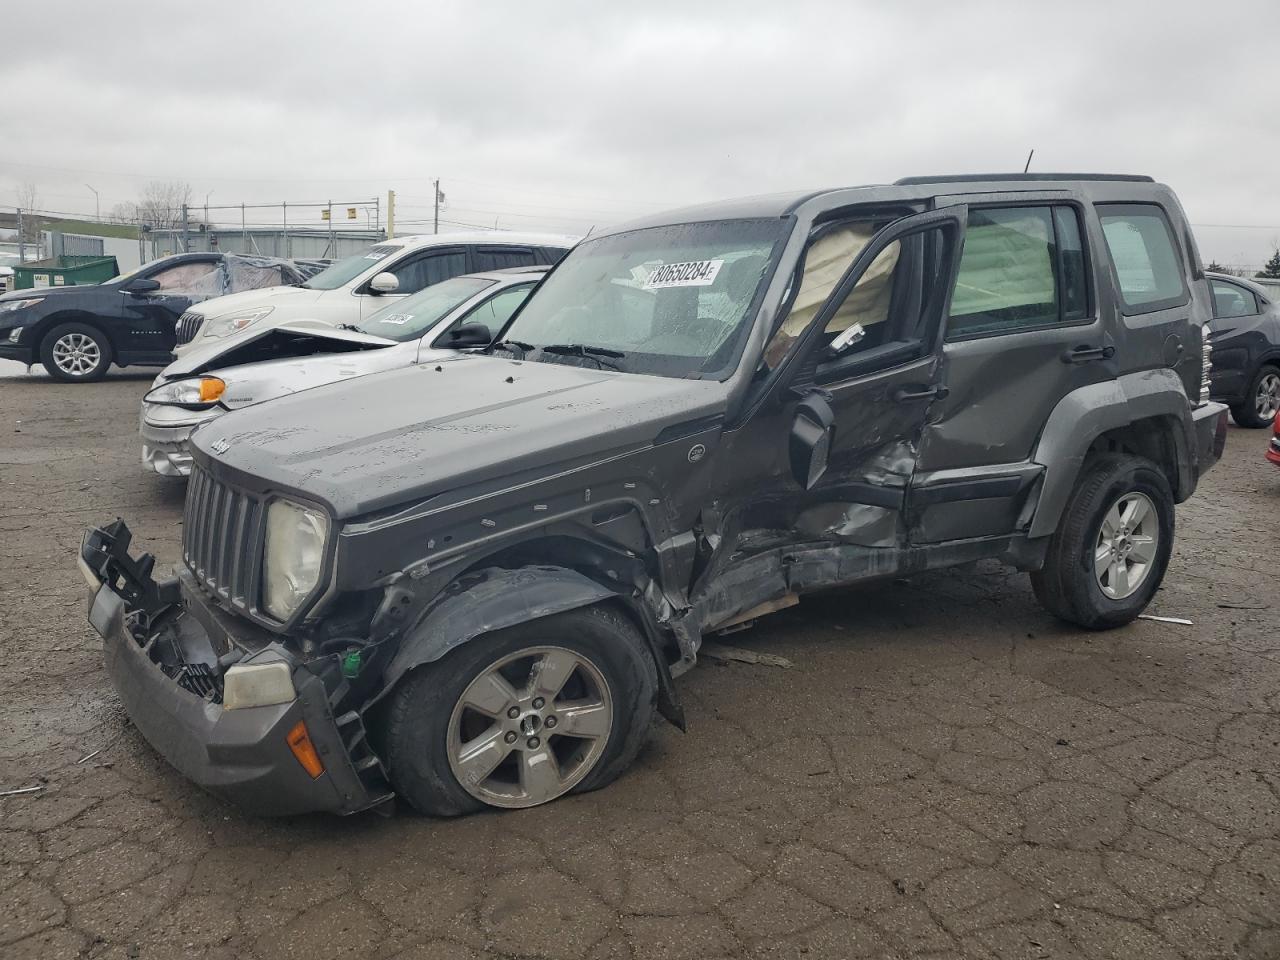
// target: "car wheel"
[[522, 716], [1112, 545], [75, 353], [1262, 399]]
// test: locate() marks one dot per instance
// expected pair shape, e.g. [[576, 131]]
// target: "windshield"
[[413, 316], [669, 300], [344, 271]]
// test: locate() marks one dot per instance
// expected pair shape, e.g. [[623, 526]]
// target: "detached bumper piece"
[[1210, 420], [164, 662]]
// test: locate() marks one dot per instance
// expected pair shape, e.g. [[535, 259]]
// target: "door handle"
[[907, 394], [1085, 353]]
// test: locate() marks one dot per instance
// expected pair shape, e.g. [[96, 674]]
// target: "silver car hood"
[[210, 356]]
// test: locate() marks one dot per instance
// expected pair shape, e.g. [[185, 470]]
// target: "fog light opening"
[[304, 750]]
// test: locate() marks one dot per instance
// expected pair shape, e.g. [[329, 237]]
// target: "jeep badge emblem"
[[221, 445], [697, 452]]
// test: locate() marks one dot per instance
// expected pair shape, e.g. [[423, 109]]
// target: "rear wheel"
[[523, 716], [1111, 548], [1261, 400], [75, 353]]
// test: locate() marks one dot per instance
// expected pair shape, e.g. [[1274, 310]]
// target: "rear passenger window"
[[1231, 301], [499, 258], [1145, 256], [1021, 268]]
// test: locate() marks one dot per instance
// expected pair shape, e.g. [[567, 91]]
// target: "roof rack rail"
[[1020, 177]]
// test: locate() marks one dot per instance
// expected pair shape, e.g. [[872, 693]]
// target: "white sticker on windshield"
[[399, 319], [692, 273]]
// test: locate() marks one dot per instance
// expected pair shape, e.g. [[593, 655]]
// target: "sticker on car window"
[[691, 273], [399, 319], [374, 256]]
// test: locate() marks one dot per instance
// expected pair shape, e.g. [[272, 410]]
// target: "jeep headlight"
[[232, 323], [293, 557]]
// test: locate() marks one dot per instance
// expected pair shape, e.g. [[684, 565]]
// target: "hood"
[[297, 339], [405, 435], [249, 299], [31, 292], [253, 383]]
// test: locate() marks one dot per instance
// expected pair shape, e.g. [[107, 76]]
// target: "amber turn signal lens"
[[300, 743], [211, 389]]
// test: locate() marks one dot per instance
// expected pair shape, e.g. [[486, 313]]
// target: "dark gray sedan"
[[1245, 334]]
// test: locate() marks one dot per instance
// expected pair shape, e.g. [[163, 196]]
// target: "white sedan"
[[210, 380]]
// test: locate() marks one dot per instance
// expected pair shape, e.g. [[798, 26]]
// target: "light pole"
[[97, 207]]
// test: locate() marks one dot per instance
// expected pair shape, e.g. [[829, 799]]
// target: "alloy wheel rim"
[[76, 354], [1267, 401], [1125, 550], [529, 727]]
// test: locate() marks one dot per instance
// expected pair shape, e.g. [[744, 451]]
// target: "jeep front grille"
[[1206, 364], [221, 539], [188, 327]]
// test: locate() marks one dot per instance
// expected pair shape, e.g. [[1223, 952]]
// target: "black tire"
[[1246, 414], [416, 721], [1067, 586], [73, 330]]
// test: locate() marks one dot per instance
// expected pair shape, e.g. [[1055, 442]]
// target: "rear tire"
[[435, 737], [1261, 399], [75, 353], [1110, 551]]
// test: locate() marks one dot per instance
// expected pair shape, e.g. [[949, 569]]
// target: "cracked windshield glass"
[[672, 301]]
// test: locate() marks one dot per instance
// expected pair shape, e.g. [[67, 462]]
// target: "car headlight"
[[8, 306], [192, 392], [293, 556], [232, 323]]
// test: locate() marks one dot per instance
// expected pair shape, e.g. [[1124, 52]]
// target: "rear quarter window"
[[1145, 256]]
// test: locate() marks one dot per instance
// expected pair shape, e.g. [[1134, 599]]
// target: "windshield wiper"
[[586, 352], [349, 326], [508, 344]]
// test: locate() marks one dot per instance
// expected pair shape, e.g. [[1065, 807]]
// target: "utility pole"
[[97, 207], [22, 245], [288, 245], [436, 220], [186, 230], [244, 233], [391, 214]]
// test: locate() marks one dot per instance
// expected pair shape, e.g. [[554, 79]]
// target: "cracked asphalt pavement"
[[945, 772]]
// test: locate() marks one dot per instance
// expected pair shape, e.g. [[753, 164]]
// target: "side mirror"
[[469, 335], [141, 285], [810, 444], [384, 283]]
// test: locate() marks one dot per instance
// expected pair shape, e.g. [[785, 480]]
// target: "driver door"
[[841, 425], [153, 316]]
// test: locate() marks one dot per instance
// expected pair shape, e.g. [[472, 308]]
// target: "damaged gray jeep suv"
[[470, 582]]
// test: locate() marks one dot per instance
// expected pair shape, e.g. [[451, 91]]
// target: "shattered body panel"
[[471, 494]]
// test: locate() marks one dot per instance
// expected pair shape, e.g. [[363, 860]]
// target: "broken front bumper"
[[162, 656], [166, 437]]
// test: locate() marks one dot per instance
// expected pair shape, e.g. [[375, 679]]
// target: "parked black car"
[[1245, 336], [470, 582], [78, 332]]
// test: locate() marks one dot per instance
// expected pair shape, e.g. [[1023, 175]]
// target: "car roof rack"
[[1020, 177]]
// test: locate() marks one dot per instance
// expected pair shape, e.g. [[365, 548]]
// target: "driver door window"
[[186, 278], [417, 273], [493, 313]]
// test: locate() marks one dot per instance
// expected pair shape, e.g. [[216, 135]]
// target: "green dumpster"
[[65, 271]]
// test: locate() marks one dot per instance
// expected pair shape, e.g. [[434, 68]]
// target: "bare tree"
[[29, 201], [159, 205]]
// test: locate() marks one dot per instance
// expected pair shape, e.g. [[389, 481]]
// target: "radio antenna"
[[1027, 165]]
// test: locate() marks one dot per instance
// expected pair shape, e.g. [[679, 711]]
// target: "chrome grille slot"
[[1206, 365], [221, 535], [188, 326]]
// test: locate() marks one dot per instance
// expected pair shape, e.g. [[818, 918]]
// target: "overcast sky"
[[564, 115]]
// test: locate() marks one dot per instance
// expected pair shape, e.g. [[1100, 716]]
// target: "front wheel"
[[523, 716], [1112, 545], [75, 353]]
